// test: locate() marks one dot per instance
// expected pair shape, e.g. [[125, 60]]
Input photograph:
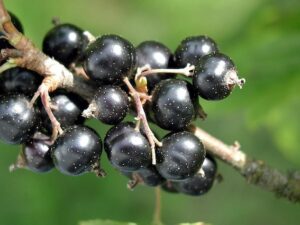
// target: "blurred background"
[[263, 39]]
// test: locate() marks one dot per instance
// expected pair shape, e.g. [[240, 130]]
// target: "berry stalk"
[[142, 116]]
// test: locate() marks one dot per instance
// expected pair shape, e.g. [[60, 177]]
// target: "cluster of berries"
[[110, 61]]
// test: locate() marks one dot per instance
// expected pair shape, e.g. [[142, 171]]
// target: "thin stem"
[[142, 116], [157, 209], [146, 71]]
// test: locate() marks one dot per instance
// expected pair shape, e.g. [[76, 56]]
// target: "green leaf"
[[104, 222]]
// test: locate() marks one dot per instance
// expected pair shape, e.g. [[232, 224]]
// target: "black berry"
[[109, 59], [172, 104], [18, 120], [18, 80], [77, 151], [200, 183], [110, 104], [127, 149], [215, 76], [192, 49], [65, 42], [157, 56], [180, 156], [36, 154]]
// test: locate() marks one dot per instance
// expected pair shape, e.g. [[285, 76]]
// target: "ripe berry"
[[180, 156], [77, 151], [16, 22], [18, 120], [110, 104], [127, 149], [157, 56], [67, 109], [65, 42], [18, 80], [36, 154], [192, 49], [199, 184], [109, 59], [215, 76], [115, 131], [172, 104]]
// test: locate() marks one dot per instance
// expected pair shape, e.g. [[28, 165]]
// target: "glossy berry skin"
[[65, 42], [77, 150], [157, 56], [180, 156], [199, 184], [16, 22], [172, 104], [111, 104], [109, 59], [192, 49], [127, 149], [36, 154], [18, 120], [67, 110], [121, 128], [19, 80], [213, 76]]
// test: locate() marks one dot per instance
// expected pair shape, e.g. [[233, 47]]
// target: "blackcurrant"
[[16, 22], [77, 151], [157, 56], [36, 154], [19, 80], [192, 49], [172, 104], [127, 149], [200, 183], [180, 156], [110, 104], [109, 59], [67, 109], [215, 76], [18, 119], [115, 131], [65, 42]]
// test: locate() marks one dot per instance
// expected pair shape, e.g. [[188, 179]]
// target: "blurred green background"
[[261, 36]]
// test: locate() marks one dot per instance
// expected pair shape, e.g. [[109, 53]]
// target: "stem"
[[146, 71], [157, 209], [255, 171], [142, 116]]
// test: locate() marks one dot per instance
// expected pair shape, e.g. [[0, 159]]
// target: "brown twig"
[[255, 171]]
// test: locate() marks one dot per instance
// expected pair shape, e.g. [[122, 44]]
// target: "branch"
[[255, 171]]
